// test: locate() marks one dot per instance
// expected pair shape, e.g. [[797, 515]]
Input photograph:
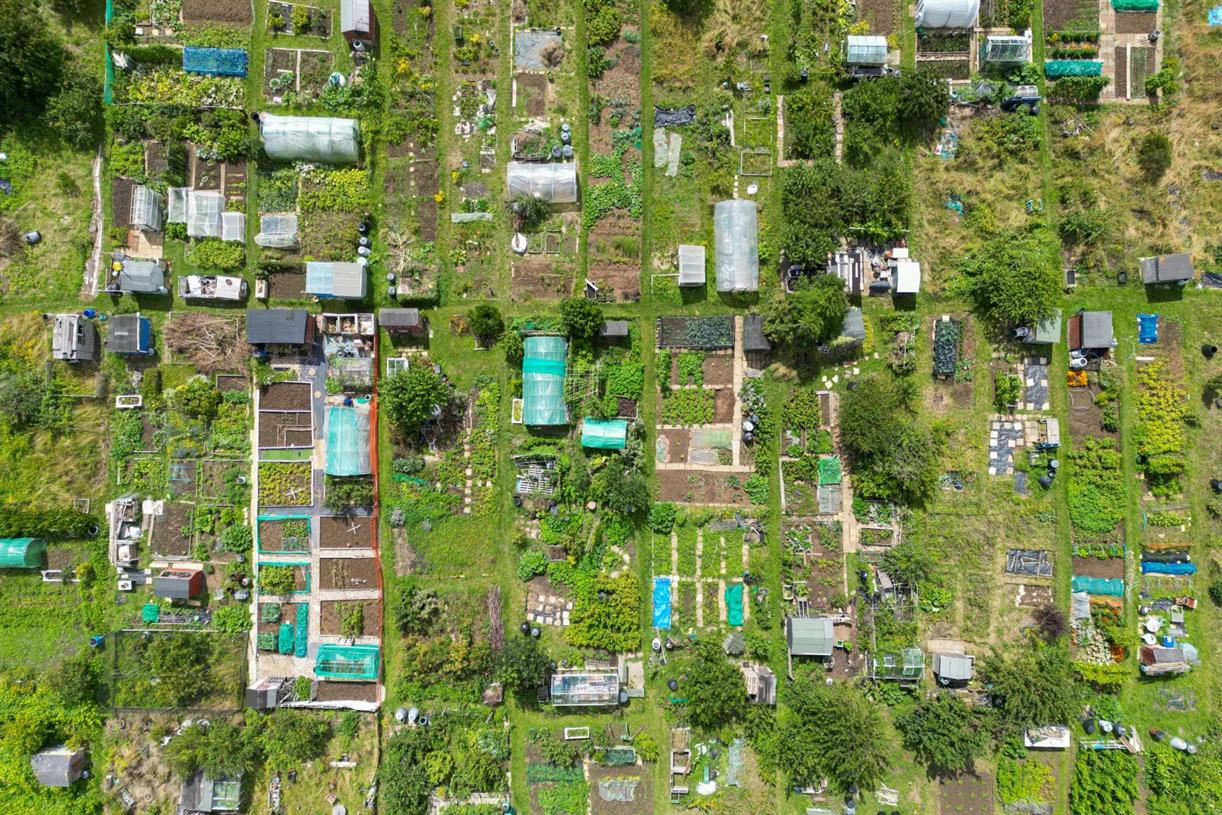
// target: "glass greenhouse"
[[146, 213], [311, 138], [736, 237], [863, 50], [555, 183], [947, 13], [204, 210], [1006, 49]]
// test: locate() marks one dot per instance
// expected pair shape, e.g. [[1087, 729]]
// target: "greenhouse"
[[345, 281], [348, 661], [604, 434], [233, 226], [348, 440], [1060, 68], [691, 265], [146, 212], [215, 61], [736, 237], [1007, 49], [277, 231], [176, 209], [947, 13], [311, 138], [22, 553], [543, 368], [555, 183], [204, 210], [866, 50]]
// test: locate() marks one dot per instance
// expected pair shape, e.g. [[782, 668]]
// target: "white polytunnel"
[[736, 238], [311, 138], [947, 13], [277, 230], [554, 182]]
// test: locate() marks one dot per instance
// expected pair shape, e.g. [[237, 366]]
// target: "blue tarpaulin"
[[661, 603], [1215, 16], [1147, 328], [215, 61], [348, 441], [1109, 586], [1150, 567]]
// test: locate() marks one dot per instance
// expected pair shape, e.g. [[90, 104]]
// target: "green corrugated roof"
[[604, 434], [22, 553]]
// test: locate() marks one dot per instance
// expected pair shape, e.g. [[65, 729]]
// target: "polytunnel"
[[554, 182], [311, 138], [947, 13], [736, 237]]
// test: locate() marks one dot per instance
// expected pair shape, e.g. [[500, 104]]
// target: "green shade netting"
[[348, 441], [348, 661], [150, 613], [604, 434], [1058, 68], [285, 644], [302, 642], [22, 553], [734, 604], [266, 642], [543, 371], [1135, 5], [829, 470], [269, 612], [1110, 586]]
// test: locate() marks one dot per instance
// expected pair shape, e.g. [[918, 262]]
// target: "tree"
[[908, 563], [1154, 156], [523, 664], [21, 395], [620, 490], [290, 738], [944, 734], [486, 323], [197, 398], [31, 60], [811, 315], [413, 396], [75, 111], [1051, 622], [1012, 277], [582, 318], [529, 212], [924, 100], [713, 686], [1031, 689], [894, 455], [833, 732]]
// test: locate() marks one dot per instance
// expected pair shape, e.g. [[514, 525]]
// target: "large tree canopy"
[[944, 734], [1012, 277], [1031, 689], [894, 454], [712, 686], [833, 732], [31, 59], [812, 314], [411, 397]]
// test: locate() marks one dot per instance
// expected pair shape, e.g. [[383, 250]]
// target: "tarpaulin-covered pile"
[[544, 365], [215, 61], [1107, 586], [311, 138], [736, 237], [1135, 5], [604, 434], [661, 603], [348, 441], [1059, 68], [734, 604]]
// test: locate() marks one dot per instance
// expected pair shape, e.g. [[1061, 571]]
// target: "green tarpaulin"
[[150, 613], [302, 641], [1109, 586], [734, 604], [543, 370], [348, 441], [285, 643], [1058, 68], [22, 553], [829, 470], [1135, 5], [604, 434]]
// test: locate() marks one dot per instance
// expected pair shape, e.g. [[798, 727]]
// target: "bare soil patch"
[[348, 573], [1111, 567], [966, 795], [234, 12], [539, 279], [285, 396], [700, 487], [293, 429], [719, 370], [328, 690], [172, 531], [1034, 596], [532, 94], [621, 282], [723, 405], [407, 560], [286, 285], [1136, 22], [675, 445], [284, 536], [345, 533], [332, 622], [880, 14], [1058, 14]]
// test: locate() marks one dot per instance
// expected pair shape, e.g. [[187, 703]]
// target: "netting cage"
[[233, 226], [947, 13], [555, 183], [311, 138], [146, 210], [277, 231], [348, 441], [204, 214], [736, 236], [866, 50]]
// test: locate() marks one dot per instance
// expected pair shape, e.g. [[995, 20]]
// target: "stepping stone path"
[[548, 609], [1035, 383], [1004, 436]]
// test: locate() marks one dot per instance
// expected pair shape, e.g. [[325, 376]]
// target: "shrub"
[[75, 111], [1154, 156], [486, 323], [411, 396], [531, 563], [197, 398], [662, 518], [582, 318]]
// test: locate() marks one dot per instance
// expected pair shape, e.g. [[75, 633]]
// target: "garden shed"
[[953, 669], [404, 321], [277, 231], [215, 61], [1008, 49], [585, 689], [133, 276], [604, 434], [130, 334], [356, 20], [754, 341], [809, 636], [59, 766], [854, 324], [1091, 330], [1175, 268], [204, 209], [1046, 332], [178, 583], [311, 138], [612, 330], [554, 182], [22, 553], [905, 272], [947, 13], [201, 793], [736, 238], [335, 280], [348, 440], [147, 213], [278, 326], [866, 50], [74, 338], [544, 365], [348, 661], [691, 265]]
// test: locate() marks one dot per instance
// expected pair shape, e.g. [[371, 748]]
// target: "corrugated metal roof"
[[276, 326]]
